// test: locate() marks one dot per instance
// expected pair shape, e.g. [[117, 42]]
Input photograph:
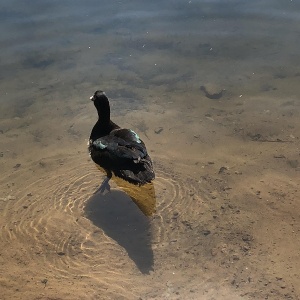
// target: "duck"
[[118, 151]]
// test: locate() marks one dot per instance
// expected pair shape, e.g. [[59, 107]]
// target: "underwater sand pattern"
[[212, 89], [219, 222]]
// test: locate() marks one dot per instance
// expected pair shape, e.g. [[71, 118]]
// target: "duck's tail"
[[144, 174]]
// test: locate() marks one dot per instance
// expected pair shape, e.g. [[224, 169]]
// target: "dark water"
[[212, 87], [127, 45]]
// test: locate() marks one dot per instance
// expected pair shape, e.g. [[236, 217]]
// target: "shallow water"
[[212, 88]]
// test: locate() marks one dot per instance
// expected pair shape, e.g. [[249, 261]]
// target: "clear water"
[[212, 87]]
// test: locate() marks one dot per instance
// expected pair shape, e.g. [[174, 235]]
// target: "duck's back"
[[122, 152], [100, 130]]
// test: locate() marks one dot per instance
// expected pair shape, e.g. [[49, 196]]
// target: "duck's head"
[[101, 103], [98, 96]]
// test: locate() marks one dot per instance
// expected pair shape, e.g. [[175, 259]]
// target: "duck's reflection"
[[123, 216], [142, 196]]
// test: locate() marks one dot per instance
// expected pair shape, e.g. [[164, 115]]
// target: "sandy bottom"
[[225, 202]]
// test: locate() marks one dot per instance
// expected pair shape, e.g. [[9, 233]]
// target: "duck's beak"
[[92, 98]]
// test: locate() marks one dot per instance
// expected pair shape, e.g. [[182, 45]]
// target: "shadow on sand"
[[125, 220]]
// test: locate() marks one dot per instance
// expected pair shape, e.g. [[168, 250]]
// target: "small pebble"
[[222, 169], [44, 281], [206, 232], [158, 130]]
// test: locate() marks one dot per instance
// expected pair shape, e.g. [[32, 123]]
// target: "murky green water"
[[212, 87]]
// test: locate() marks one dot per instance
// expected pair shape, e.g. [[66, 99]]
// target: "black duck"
[[117, 150]]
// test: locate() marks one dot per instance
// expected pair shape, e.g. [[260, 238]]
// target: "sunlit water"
[[212, 87]]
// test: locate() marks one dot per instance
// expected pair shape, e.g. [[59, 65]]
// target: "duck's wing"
[[127, 135], [123, 152], [122, 144]]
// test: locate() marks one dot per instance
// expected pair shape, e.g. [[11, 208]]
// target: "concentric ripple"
[[72, 233], [46, 219], [179, 200]]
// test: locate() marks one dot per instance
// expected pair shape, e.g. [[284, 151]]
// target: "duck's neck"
[[103, 125], [103, 113], [104, 117]]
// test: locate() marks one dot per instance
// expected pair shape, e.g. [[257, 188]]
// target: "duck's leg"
[[105, 183]]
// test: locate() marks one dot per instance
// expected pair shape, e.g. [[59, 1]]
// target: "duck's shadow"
[[122, 220]]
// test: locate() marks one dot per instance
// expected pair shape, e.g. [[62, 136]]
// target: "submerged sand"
[[226, 215], [212, 89]]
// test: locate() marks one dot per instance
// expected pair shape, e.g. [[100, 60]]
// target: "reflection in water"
[[142, 196], [122, 221]]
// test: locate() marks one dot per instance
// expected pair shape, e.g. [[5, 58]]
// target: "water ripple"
[[59, 220]]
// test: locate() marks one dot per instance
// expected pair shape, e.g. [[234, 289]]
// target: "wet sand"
[[218, 109], [225, 225]]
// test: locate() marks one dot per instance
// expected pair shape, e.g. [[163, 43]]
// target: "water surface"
[[212, 88]]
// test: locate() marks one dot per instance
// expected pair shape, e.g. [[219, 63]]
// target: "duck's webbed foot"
[[105, 183]]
